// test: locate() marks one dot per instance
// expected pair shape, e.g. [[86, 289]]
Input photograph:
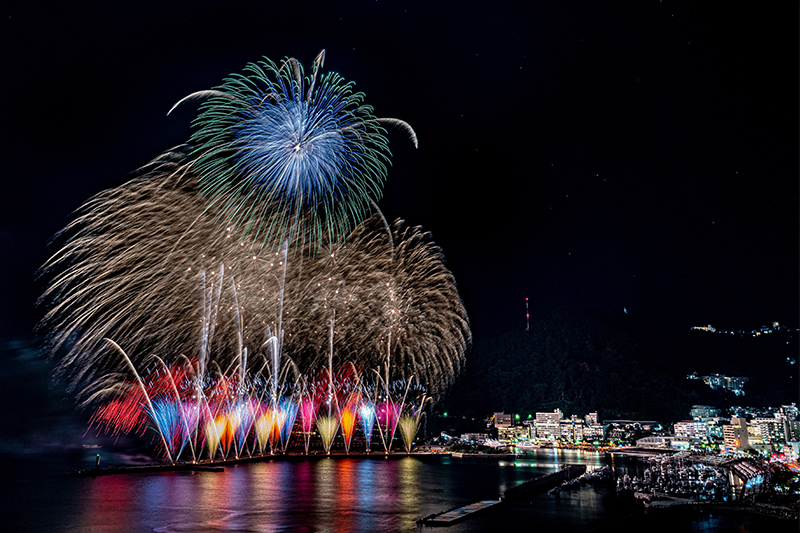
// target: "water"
[[326, 494]]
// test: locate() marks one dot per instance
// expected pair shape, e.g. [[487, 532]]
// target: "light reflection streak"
[[408, 470], [110, 497], [325, 489], [347, 504]]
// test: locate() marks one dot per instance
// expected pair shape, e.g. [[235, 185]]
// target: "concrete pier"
[[521, 492], [536, 486], [453, 516]]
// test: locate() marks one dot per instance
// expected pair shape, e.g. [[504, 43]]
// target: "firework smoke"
[[147, 265]]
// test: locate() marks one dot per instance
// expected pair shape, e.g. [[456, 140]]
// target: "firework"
[[225, 418], [146, 265], [181, 268], [285, 156]]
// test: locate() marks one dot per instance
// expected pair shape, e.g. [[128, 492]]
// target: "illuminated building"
[[692, 429], [547, 430], [660, 441], [791, 451], [503, 420], [790, 411], [594, 432], [768, 431], [548, 425], [792, 430], [703, 412], [735, 435], [474, 438], [555, 416], [571, 430], [731, 383]]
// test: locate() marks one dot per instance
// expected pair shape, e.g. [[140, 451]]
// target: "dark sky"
[[639, 155]]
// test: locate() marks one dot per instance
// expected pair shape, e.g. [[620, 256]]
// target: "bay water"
[[336, 494]]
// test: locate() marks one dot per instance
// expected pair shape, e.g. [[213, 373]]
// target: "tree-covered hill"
[[583, 361]]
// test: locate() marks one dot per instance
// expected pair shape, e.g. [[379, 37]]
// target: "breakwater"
[[538, 485], [523, 491]]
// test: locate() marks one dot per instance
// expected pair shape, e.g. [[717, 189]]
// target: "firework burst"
[[285, 156], [146, 264]]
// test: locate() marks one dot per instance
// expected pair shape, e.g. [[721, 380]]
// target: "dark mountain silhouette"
[[623, 367]]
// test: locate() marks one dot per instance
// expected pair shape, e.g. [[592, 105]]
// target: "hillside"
[[582, 361]]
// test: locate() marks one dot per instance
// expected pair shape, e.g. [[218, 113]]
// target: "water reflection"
[[339, 495], [325, 489], [347, 498], [408, 485], [110, 496]]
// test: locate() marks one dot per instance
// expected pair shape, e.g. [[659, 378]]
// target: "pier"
[[147, 469], [536, 486], [521, 492], [457, 514]]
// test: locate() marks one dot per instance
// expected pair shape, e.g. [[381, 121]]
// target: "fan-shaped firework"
[[146, 265], [285, 156]]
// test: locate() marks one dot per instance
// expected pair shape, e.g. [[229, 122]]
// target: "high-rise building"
[[768, 430], [555, 416], [547, 425], [790, 411], [691, 429], [735, 435], [792, 430]]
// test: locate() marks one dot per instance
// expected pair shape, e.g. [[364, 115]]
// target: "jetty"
[[147, 469], [521, 492], [457, 514], [536, 486]]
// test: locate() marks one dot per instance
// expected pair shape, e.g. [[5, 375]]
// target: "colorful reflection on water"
[[342, 494], [326, 494]]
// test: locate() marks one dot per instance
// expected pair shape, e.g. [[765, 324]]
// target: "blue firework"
[[289, 157]]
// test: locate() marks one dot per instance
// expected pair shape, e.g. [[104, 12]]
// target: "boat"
[[526, 445]]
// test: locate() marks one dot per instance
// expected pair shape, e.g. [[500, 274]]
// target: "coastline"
[[218, 465], [206, 465], [669, 504]]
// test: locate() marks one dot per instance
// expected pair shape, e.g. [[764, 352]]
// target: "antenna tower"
[[527, 316]]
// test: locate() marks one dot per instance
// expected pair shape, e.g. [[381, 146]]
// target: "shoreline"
[[679, 505], [218, 465], [205, 465]]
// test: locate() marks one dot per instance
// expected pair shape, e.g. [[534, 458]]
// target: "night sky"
[[638, 155]]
